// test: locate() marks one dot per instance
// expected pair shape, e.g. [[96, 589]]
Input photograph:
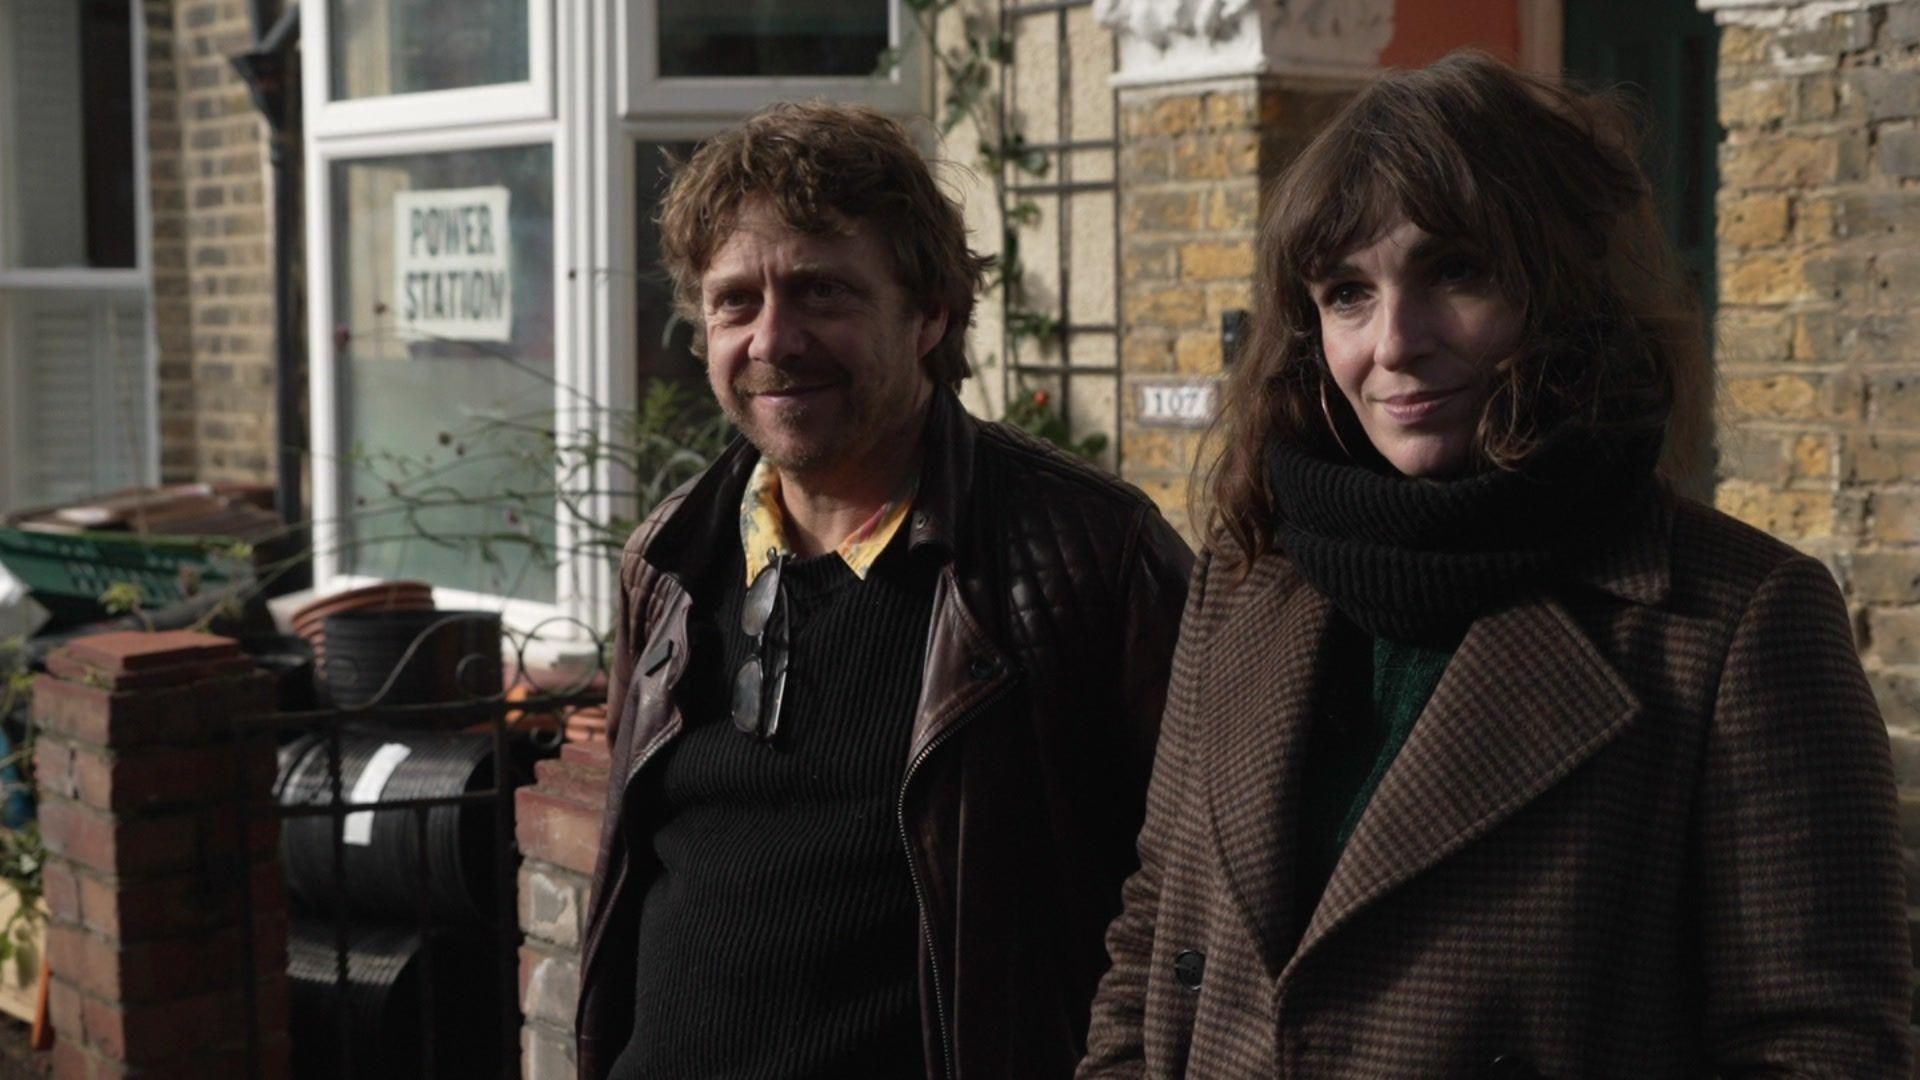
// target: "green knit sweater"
[[1377, 689]]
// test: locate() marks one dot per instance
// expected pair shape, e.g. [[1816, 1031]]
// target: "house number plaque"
[[1175, 403]]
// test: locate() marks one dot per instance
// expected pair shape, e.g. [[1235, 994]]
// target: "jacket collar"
[[946, 472], [685, 544], [1259, 719], [1526, 699]]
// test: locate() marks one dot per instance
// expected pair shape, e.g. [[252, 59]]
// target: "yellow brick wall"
[[212, 245], [1194, 160], [1818, 340]]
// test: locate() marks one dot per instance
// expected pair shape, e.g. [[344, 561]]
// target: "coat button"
[[1188, 966], [1511, 1067], [982, 668]]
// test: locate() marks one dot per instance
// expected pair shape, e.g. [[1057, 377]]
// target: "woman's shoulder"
[[1714, 546], [1719, 564], [1226, 575], [1227, 582]]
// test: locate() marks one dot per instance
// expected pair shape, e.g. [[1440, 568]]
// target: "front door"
[[1665, 53]]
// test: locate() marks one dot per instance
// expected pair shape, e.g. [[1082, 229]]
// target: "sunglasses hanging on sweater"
[[761, 682]]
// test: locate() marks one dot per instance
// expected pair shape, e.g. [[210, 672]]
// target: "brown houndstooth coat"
[[1645, 828]]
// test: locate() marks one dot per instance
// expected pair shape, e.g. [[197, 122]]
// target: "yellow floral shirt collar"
[[763, 524]]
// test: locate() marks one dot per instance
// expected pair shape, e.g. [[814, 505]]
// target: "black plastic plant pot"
[[374, 1024], [392, 866], [411, 658]]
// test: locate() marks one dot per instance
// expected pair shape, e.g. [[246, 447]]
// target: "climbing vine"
[[971, 67]]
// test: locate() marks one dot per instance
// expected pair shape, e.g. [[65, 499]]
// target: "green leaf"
[[120, 598], [1033, 325]]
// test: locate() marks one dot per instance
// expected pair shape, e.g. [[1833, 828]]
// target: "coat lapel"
[[1259, 706], [1524, 701]]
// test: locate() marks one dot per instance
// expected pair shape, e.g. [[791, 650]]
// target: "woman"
[[1486, 753]]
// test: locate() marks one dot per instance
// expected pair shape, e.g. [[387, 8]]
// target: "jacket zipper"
[[615, 886], [913, 868], [595, 931]]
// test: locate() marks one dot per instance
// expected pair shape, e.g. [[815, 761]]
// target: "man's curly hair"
[[820, 165]]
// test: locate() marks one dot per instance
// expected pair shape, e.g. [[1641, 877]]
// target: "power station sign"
[[454, 270]]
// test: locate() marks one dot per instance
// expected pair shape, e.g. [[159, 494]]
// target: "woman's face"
[[1413, 327]]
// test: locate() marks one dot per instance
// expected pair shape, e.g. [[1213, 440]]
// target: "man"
[[887, 679]]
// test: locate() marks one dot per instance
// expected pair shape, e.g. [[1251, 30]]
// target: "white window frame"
[[329, 439], [428, 110], [137, 280], [647, 95], [412, 124]]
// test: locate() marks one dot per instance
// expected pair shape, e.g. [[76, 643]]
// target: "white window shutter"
[[81, 412], [76, 400]]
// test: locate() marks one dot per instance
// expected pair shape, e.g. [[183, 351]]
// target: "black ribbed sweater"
[[779, 934]]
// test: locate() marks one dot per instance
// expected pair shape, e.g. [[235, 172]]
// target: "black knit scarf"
[[1416, 560]]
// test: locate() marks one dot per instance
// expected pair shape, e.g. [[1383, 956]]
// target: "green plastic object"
[[67, 572]]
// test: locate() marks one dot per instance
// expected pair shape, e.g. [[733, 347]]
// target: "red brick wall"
[[159, 889], [557, 822]]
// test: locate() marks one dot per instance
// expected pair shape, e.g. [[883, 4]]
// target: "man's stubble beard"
[[855, 436]]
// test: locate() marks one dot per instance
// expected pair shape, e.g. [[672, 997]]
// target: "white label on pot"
[[368, 788]]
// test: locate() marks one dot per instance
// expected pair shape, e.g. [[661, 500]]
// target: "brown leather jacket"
[[1054, 620]]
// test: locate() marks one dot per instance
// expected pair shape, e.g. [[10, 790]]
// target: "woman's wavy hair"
[[1540, 181], [821, 164]]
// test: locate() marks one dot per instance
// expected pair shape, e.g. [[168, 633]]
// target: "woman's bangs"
[[1349, 206], [1372, 183]]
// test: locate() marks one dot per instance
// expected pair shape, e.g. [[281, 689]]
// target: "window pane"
[[382, 47], [745, 38], [443, 293], [69, 130], [662, 342]]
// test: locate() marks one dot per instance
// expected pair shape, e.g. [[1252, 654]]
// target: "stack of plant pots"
[[310, 621], [407, 1007], [395, 658], [414, 892]]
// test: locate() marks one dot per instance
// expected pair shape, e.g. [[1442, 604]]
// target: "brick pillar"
[[1196, 160], [557, 822], [151, 878]]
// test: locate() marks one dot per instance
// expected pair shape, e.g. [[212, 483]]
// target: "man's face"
[[813, 346]]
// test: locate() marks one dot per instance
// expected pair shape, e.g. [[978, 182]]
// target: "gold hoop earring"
[[1332, 426]]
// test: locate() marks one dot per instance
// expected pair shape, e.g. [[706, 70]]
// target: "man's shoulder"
[[1035, 474], [1070, 513]]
